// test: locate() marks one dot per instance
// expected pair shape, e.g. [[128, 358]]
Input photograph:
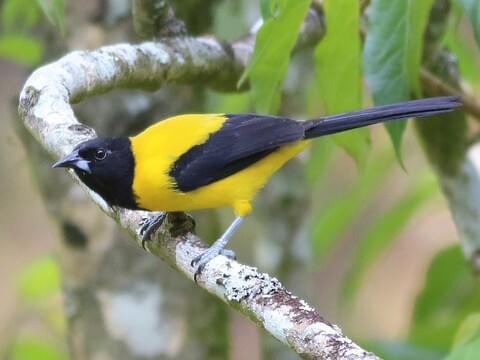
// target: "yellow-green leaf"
[[450, 293], [22, 49], [383, 231], [40, 279], [336, 215], [18, 16], [467, 351], [29, 348], [468, 330], [273, 45], [338, 65], [467, 56]]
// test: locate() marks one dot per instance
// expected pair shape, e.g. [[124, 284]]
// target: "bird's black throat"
[[113, 177]]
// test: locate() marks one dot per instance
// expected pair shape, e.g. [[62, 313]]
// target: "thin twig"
[[434, 86]]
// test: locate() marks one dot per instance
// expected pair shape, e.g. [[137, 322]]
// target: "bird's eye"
[[100, 154]]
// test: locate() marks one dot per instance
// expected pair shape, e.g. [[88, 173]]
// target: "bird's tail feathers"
[[355, 119]]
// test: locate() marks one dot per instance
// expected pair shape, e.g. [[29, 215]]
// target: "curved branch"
[[46, 111]]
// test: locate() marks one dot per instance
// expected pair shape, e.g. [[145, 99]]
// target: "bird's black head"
[[105, 165]]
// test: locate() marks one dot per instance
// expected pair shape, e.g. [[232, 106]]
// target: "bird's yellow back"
[[158, 147]]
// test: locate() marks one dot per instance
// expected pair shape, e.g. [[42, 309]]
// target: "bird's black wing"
[[242, 140]]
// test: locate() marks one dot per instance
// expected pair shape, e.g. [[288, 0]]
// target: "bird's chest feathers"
[[155, 151]]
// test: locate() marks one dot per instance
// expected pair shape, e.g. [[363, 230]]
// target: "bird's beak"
[[74, 161]]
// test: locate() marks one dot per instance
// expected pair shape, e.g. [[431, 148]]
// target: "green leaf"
[[466, 55], [384, 230], [445, 273], [317, 166], [393, 53], [269, 8], [22, 49], [472, 9], [468, 351], [18, 16], [321, 150], [28, 348], [39, 280], [450, 294], [338, 66], [265, 9], [340, 212], [227, 103], [54, 10], [273, 45], [394, 350], [468, 330]]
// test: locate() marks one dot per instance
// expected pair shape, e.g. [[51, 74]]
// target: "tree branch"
[[46, 111], [434, 85]]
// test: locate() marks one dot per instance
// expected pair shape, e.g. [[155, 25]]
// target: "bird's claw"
[[149, 225], [204, 258]]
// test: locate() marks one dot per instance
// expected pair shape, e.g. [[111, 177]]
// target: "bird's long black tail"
[[355, 119]]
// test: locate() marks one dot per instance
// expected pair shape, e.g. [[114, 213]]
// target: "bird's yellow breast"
[[157, 148]]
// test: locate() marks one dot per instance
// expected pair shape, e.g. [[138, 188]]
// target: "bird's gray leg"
[[216, 248]]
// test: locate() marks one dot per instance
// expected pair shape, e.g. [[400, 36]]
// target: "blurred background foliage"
[[377, 249]]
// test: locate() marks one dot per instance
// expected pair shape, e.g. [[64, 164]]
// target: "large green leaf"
[[467, 56], [22, 49], [227, 103], [40, 279], [393, 52], [385, 228], [318, 163], [395, 350], [273, 45], [18, 16], [338, 65], [472, 9], [322, 149], [450, 294], [54, 10], [335, 217], [468, 330], [269, 8], [30, 348], [467, 351]]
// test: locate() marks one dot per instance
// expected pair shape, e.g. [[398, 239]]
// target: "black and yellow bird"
[[190, 162]]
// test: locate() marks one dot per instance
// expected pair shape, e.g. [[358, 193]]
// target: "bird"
[[201, 161]]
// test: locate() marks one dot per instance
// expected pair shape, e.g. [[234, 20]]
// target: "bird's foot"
[[204, 258], [149, 225]]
